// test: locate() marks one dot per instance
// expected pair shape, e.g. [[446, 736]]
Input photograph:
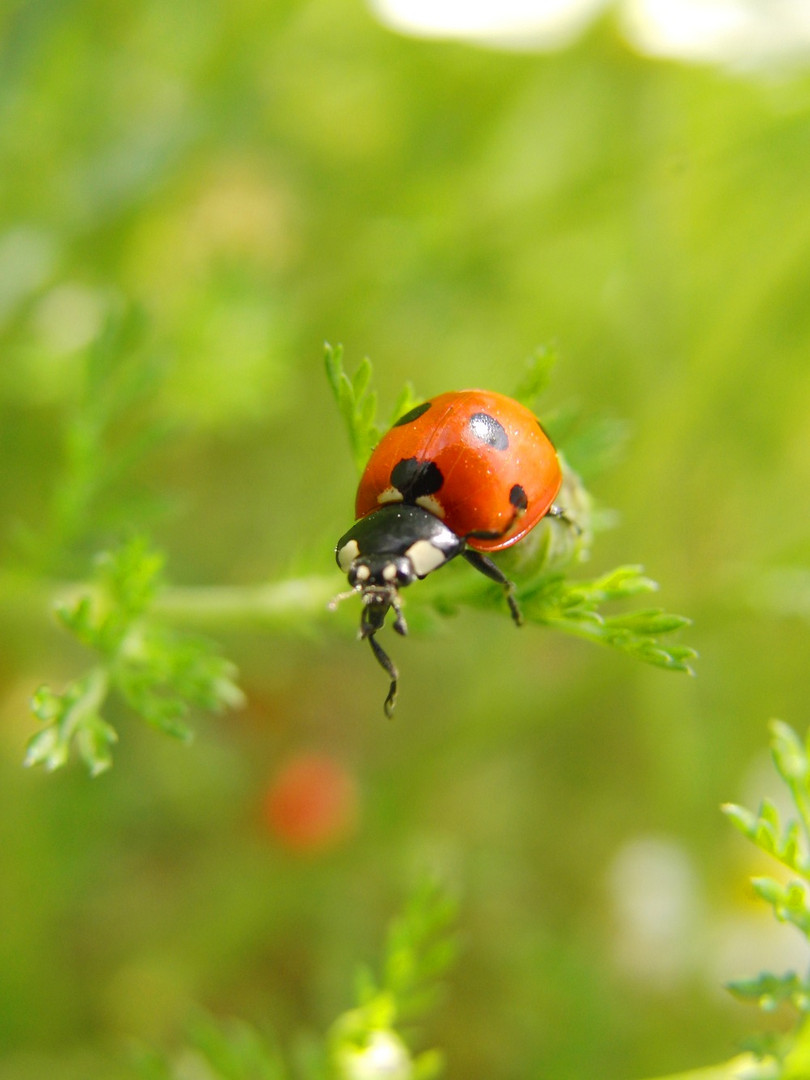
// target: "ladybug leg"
[[371, 621], [400, 625], [385, 662], [517, 497], [560, 514], [486, 566]]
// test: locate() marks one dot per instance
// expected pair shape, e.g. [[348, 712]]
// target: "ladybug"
[[466, 473]]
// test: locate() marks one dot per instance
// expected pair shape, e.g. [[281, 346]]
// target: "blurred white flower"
[[28, 257], [739, 33], [736, 33], [384, 1057], [524, 24], [656, 909], [70, 316]]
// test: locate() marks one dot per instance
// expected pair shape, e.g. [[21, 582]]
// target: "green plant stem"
[[285, 603], [744, 1067], [95, 686], [268, 605]]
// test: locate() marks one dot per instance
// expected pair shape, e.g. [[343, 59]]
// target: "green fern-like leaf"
[[356, 401], [537, 377], [789, 902], [419, 949], [771, 991], [160, 673], [786, 1055]]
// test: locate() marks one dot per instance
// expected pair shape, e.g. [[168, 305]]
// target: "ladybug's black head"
[[378, 578], [395, 545], [388, 549], [380, 572]]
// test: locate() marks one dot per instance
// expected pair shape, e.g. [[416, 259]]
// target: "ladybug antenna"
[[333, 603]]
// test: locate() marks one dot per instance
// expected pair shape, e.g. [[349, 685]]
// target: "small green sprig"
[[770, 991], [575, 607], [370, 1041], [419, 949], [536, 378], [358, 403], [784, 1055], [787, 841], [373, 1039], [230, 1050], [111, 429], [549, 598], [158, 672]]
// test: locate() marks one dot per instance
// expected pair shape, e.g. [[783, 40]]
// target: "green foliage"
[[158, 672], [789, 843], [104, 438], [770, 991], [575, 607], [549, 598], [537, 377], [358, 403], [231, 1050], [743, 1067], [419, 950], [367, 1042]]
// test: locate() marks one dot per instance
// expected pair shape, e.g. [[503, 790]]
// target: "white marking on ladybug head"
[[389, 495], [425, 557], [431, 504], [362, 573], [347, 554], [390, 572]]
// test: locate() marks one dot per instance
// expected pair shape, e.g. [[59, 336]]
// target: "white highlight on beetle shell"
[[425, 557], [347, 554]]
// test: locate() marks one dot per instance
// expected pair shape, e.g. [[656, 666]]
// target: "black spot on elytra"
[[413, 414], [518, 498], [416, 478], [488, 430]]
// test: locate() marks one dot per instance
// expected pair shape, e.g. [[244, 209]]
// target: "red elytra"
[[491, 455]]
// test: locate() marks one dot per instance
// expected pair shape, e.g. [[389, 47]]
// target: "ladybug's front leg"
[[371, 621], [385, 661], [486, 566], [560, 514]]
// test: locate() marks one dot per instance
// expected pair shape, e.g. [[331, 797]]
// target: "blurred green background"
[[258, 178]]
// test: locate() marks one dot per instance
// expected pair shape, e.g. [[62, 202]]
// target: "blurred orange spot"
[[311, 804]]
